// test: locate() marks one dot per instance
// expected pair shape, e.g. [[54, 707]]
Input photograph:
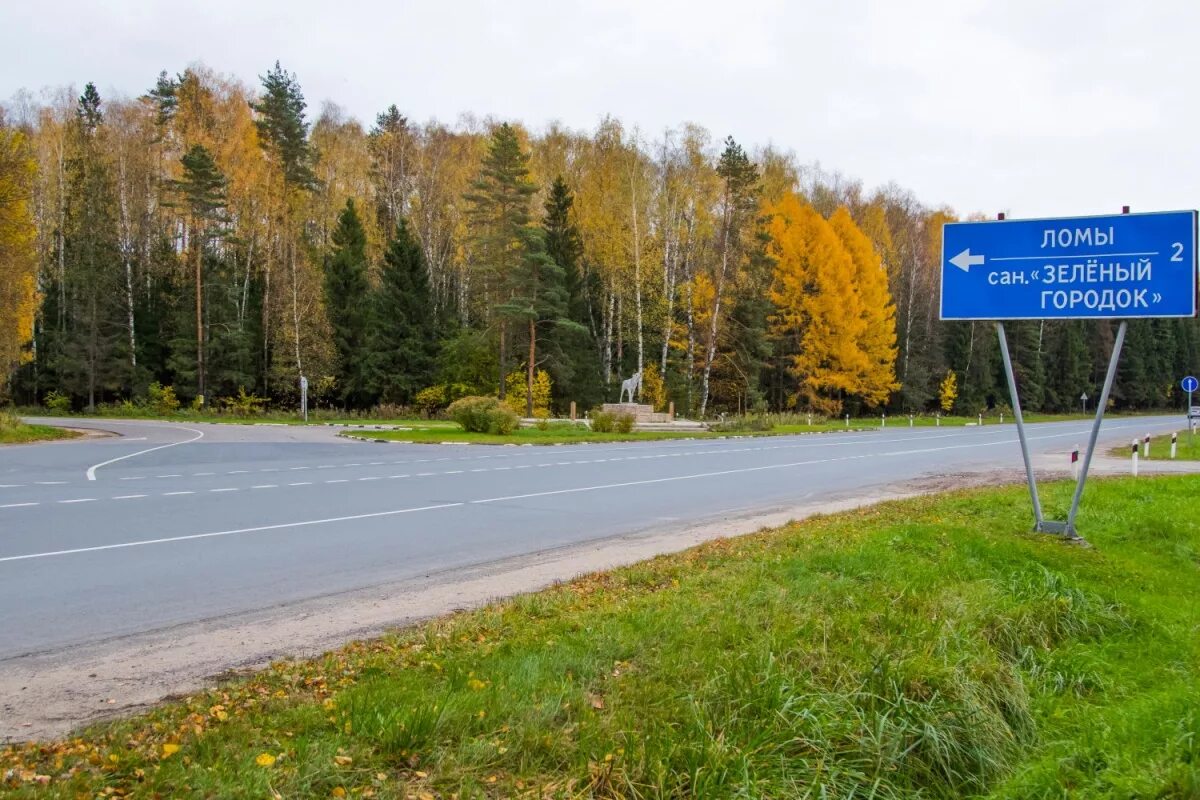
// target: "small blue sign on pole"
[[1189, 384], [1122, 266]]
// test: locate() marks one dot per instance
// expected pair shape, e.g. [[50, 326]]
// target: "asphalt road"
[[170, 524]]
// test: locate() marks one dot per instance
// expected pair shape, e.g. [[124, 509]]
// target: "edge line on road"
[[91, 471]]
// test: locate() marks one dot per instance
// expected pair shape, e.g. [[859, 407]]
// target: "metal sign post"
[[1109, 267], [304, 397], [1189, 385]]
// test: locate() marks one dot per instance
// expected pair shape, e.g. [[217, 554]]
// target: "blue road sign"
[[1122, 266], [1189, 384]]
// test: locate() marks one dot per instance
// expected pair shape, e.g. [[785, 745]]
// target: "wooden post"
[[671, 412], [572, 411]]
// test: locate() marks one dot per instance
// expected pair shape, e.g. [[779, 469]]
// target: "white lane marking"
[[425, 474], [234, 532], [372, 478], [202, 474], [293, 469], [269, 469], [301, 483], [17, 505], [50, 483], [339, 480], [128, 496], [266, 486], [484, 469], [91, 471], [79, 500], [11, 485], [238, 472], [168, 476], [134, 478], [399, 476], [175, 494], [351, 465], [228, 489], [305, 523], [453, 472]]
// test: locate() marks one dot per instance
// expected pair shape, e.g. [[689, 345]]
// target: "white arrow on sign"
[[965, 260]]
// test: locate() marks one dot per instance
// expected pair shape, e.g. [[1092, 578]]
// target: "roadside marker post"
[[883, 420], [1174, 443], [1119, 267], [910, 420], [1146, 446], [1134, 456], [1075, 463]]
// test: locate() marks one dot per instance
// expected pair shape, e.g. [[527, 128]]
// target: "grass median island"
[[14, 431], [930, 647], [1187, 448]]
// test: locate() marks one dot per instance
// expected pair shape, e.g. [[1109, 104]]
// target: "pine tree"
[[346, 292], [878, 339], [499, 214], [403, 338], [201, 192], [577, 374], [281, 127]]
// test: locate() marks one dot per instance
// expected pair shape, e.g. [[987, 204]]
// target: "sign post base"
[[1065, 529]]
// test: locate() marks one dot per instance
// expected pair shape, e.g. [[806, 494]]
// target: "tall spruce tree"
[[91, 351], [577, 372], [499, 215], [346, 292], [282, 130], [404, 336]]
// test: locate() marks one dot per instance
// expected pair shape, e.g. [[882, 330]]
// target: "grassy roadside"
[[930, 647], [1187, 448], [13, 431]]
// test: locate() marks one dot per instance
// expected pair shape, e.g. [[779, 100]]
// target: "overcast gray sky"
[[1036, 108]]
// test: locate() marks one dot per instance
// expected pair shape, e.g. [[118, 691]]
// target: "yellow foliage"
[[654, 389], [818, 310], [515, 392], [18, 264], [948, 391], [878, 337]]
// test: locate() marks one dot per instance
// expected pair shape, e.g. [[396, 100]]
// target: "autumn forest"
[[224, 240]]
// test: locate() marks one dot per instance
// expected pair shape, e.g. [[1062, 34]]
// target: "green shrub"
[[432, 399], [245, 405], [502, 420], [473, 413], [57, 402], [749, 422], [623, 423], [603, 421], [162, 398]]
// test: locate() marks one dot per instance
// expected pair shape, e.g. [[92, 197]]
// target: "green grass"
[[1187, 448], [932, 648], [13, 431]]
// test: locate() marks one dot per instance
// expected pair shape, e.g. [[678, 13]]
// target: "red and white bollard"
[[1146, 446], [1134, 452], [1174, 444], [1075, 463]]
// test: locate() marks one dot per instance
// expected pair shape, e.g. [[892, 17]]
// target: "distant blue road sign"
[[1189, 384], [1122, 266]]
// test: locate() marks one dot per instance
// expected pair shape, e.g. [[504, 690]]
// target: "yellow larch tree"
[[878, 337], [18, 259], [817, 312]]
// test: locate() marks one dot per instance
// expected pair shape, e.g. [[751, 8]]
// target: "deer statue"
[[633, 385]]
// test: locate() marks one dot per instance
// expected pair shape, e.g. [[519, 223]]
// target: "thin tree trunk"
[[530, 370], [711, 350], [637, 278], [198, 245]]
